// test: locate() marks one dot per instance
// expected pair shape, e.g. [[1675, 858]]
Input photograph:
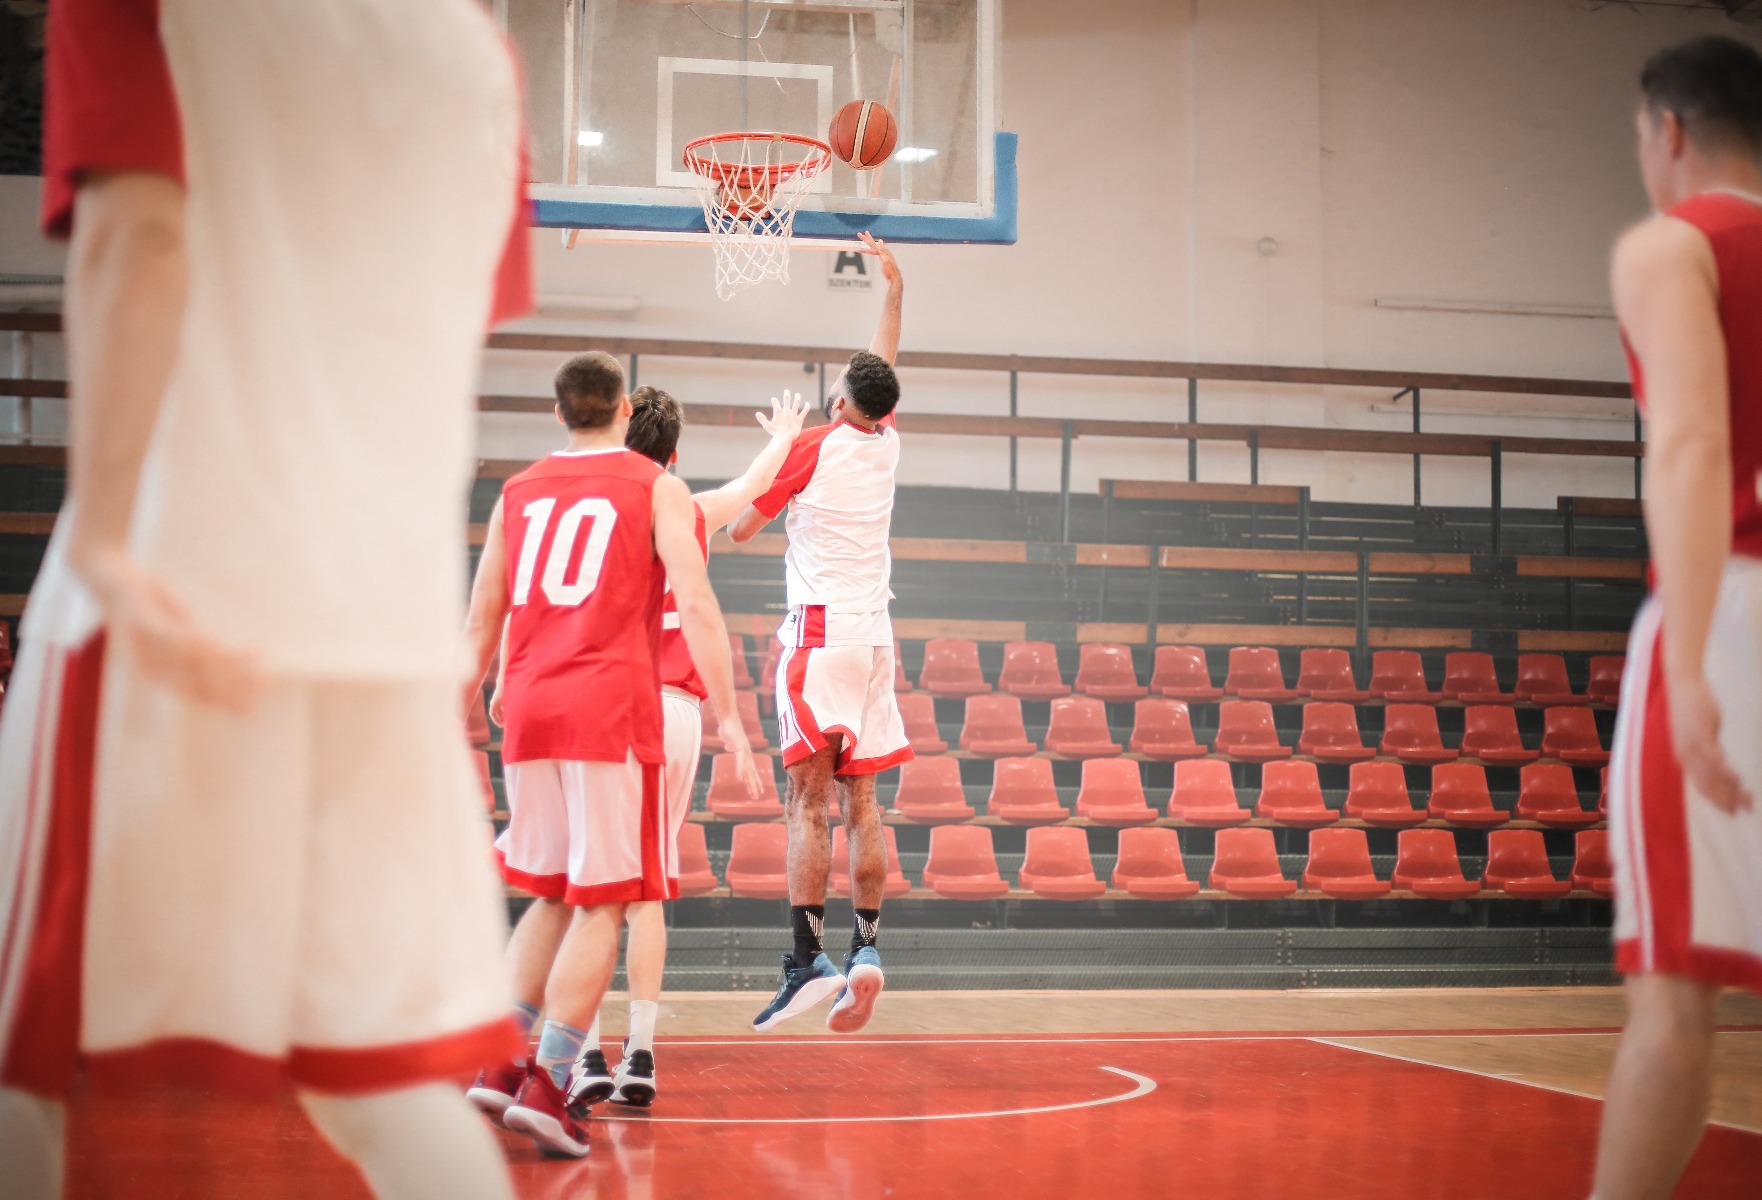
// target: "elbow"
[[742, 528]]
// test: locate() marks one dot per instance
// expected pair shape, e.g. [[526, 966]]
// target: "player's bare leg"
[[868, 883], [808, 975], [420, 1143], [645, 962], [531, 950], [33, 1140], [1660, 1089]]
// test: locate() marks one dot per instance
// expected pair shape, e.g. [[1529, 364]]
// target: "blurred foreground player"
[[579, 550], [1685, 828], [836, 710], [238, 825]]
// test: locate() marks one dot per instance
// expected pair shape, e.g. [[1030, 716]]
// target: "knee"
[[1678, 1013]]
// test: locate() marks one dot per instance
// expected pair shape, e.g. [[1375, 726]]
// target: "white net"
[[750, 185]]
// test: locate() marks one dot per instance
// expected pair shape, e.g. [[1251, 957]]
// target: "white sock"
[[32, 1141], [642, 1024], [592, 1040], [421, 1143]]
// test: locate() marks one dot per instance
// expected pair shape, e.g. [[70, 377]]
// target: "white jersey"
[[838, 482], [306, 487]]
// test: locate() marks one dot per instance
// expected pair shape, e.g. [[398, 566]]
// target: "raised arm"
[[722, 505], [885, 343], [127, 278], [700, 617], [1666, 295], [487, 617]]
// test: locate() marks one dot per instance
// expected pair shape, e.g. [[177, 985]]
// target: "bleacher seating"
[[1517, 863], [1078, 728], [1377, 794], [917, 712], [1460, 796], [1023, 793], [1255, 674], [1163, 729], [1605, 684], [1105, 671], [1246, 731], [1326, 674], [1426, 864], [1057, 864], [1541, 679], [1592, 869], [743, 676], [1489, 733], [930, 792], [1548, 794], [756, 863], [728, 799], [1149, 865], [1339, 866], [1410, 733], [1330, 733], [1204, 795], [747, 704], [963, 864], [1247, 864], [1471, 678], [1112, 793], [994, 727], [1291, 794], [696, 878], [1030, 671], [1570, 734], [1182, 674], [951, 669], [1398, 676]]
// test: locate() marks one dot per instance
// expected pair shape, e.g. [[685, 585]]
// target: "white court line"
[[1143, 1087], [1534, 1083], [1054, 1039]]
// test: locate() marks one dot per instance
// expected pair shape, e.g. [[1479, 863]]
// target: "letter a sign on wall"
[[850, 272]]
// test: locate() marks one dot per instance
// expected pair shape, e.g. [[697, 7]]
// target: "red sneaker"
[[496, 1088], [540, 1110]]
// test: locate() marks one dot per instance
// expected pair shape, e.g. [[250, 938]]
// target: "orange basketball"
[[863, 134]]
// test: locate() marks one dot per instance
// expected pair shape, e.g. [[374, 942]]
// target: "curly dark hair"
[[589, 387], [872, 386], [1714, 86], [656, 421]]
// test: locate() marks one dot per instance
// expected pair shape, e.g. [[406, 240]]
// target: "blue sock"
[[558, 1045], [525, 1016]]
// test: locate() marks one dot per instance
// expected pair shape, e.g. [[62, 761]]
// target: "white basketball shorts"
[[847, 691], [1688, 888], [587, 833], [684, 736]]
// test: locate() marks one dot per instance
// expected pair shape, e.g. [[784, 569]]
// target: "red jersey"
[[677, 669], [584, 634], [1732, 225]]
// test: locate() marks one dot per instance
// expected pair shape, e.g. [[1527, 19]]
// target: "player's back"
[[585, 585]]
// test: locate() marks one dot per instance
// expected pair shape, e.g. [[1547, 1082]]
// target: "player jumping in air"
[[836, 711], [1685, 830], [578, 553]]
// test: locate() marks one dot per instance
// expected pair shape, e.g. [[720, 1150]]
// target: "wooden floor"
[[1452, 1094]]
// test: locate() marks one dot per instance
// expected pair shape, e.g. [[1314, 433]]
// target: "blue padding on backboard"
[[997, 229]]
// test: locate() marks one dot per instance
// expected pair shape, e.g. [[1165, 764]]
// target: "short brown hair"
[[655, 423], [589, 387]]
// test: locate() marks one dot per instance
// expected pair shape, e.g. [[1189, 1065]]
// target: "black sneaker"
[[801, 989], [634, 1083], [592, 1082]]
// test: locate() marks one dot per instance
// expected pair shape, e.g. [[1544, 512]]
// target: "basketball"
[[863, 134]]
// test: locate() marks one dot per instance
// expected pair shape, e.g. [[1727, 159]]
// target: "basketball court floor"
[[1447, 1094]]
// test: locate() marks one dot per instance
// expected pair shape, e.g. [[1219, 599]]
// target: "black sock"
[[806, 921], [868, 928]]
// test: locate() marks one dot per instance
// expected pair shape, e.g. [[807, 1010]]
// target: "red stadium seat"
[[1541, 679], [1547, 793], [1324, 674], [728, 800], [1377, 795], [1330, 733], [1181, 673], [930, 792], [1030, 671], [1057, 864], [747, 705], [1112, 793], [951, 669], [756, 865], [1163, 729], [1256, 674], [1410, 733], [1245, 731], [1470, 678], [1460, 796], [1570, 734], [1517, 864], [1022, 793], [1399, 676], [900, 682], [1105, 671], [1489, 733], [768, 673], [743, 675], [1339, 866], [1079, 728], [696, 877], [839, 881], [1206, 795], [918, 713], [1605, 685], [1149, 865], [994, 728], [1592, 870], [1290, 793], [1246, 865], [963, 864], [1426, 865]]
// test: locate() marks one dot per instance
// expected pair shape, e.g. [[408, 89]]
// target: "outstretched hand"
[[1694, 728], [884, 252], [786, 416], [733, 735]]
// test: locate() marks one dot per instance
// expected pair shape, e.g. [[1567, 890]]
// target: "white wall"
[[1392, 148]]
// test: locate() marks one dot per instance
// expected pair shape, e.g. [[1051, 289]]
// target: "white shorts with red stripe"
[[682, 713], [1688, 877], [841, 690], [587, 833], [194, 897]]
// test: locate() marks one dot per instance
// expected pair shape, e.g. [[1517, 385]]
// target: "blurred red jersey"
[[584, 633], [677, 669]]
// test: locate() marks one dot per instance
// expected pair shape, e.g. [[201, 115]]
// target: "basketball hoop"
[[750, 185]]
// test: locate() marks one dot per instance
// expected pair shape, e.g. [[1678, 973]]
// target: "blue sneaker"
[[803, 987], [856, 1003]]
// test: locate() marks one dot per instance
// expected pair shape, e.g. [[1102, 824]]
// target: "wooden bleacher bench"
[[1599, 506], [1237, 493]]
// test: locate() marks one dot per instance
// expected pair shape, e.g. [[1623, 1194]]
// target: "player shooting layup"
[[1683, 820], [580, 548], [835, 704], [239, 832]]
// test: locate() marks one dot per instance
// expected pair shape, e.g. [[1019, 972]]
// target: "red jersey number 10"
[[598, 514]]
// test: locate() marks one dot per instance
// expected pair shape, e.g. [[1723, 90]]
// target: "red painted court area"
[[1224, 1117]]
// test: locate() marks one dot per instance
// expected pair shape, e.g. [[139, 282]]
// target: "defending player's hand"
[[1694, 727], [884, 252], [786, 416], [734, 737]]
